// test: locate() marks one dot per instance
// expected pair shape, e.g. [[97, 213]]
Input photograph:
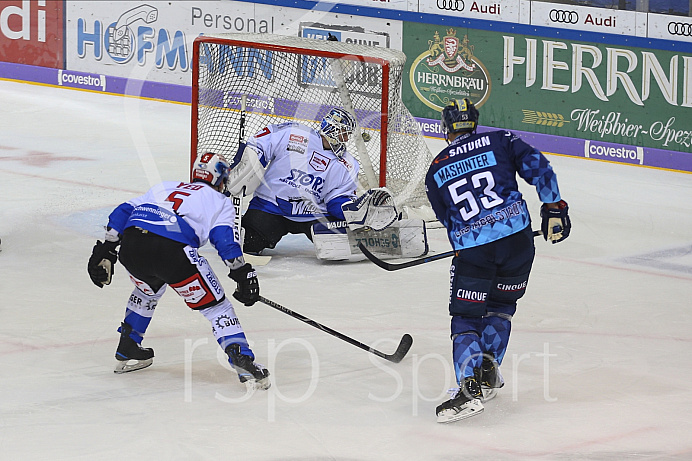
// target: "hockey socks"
[[467, 355]]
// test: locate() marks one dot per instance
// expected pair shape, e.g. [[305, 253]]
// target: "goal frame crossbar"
[[384, 114]]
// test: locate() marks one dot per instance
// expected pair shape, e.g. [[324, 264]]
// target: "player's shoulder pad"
[[284, 125], [349, 162], [508, 134], [441, 157], [287, 128]]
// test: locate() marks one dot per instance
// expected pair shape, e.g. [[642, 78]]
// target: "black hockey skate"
[[248, 372], [489, 376], [466, 403], [130, 355]]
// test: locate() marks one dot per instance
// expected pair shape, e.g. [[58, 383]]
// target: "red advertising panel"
[[31, 32]]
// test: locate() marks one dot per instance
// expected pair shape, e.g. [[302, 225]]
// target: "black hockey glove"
[[101, 262], [555, 223], [247, 291]]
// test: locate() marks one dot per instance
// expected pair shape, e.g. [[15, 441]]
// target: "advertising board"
[[152, 41], [605, 20], [31, 32], [508, 11], [678, 28], [604, 97], [609, 93]]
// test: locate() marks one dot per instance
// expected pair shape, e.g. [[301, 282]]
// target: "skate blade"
[[132, 365], [471, 408], [489, 393], [252, 383], [260, 385]]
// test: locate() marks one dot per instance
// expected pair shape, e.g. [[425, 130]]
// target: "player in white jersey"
[[309, 175], [159, 234]]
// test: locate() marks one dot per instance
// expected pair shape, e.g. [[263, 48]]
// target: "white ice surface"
[[598, 365]]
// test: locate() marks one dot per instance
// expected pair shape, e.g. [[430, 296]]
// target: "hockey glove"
[[247, 291], [555, 224], [101, 262], [375, 209]]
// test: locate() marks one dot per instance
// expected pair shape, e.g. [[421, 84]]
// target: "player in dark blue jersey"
[[472, 187]]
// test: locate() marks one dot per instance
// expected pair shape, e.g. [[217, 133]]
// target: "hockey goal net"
[[285, 78]]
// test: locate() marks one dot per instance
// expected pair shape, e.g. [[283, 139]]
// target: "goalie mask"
[[459, 115], [212, 169], [336, 127]]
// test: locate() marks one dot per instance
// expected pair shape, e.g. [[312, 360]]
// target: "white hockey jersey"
[[303, 180], [190, 213]]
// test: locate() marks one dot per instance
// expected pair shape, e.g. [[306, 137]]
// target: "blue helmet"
[[459, 115], [211, 168], [334, 124]]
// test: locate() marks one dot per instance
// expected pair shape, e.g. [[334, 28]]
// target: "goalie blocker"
[[335, 241]]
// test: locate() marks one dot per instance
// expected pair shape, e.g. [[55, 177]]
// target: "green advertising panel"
[[611, 93]]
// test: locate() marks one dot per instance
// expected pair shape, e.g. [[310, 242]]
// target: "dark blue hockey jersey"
[[472, 186]]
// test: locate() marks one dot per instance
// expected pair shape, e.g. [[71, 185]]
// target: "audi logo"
[[569, 17], [680, 28], [451, 5]]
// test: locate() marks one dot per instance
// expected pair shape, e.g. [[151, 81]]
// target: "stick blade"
[[395, 267], [402, 350], [257, 260], [374, 259]]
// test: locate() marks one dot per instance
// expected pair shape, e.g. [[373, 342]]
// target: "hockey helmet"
[[212, 169], [459, 115], [336, 123]]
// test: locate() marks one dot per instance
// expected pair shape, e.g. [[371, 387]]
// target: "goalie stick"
[[396, 357], [238, 199], [415, 262], [254, 260]]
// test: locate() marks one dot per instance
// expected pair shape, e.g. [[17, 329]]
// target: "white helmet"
[[211, 168], [335, 123]]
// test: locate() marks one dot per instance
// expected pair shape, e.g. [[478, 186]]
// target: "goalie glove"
[[555, 222], [374, 209], [101, 262], [246, 172]]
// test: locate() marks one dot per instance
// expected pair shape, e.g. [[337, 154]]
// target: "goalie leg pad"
[[406, 238], [335, 241], [331, 241]]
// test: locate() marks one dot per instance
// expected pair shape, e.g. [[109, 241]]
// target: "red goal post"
[[286, 78]]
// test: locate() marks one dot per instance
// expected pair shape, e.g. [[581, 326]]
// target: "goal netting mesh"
[[285, 78]]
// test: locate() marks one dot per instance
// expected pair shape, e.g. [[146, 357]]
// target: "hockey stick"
[[396, 357], [415, 262], [254, 260], [238, 199], [243, 111]]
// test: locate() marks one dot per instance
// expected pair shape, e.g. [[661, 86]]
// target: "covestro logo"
[[71, 79], [626, 154]]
